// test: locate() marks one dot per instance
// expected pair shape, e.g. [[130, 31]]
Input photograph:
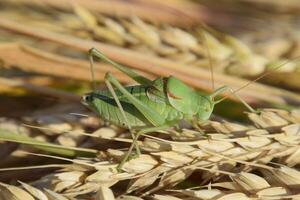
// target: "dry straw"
[[235, 161], [182, 50], [180, 44], [257, 160]]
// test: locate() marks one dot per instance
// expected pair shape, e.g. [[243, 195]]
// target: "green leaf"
[[45, 146]]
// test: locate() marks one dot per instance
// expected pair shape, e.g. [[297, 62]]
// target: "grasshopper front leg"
[[223, 89]]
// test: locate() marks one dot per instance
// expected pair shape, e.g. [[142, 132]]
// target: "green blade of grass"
[[45, 146]]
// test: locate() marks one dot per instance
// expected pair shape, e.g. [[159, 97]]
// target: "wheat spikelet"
[[188, 46], [230, 52], [229, 159], [255, 160]]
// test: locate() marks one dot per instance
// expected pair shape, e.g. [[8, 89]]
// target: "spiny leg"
[[242, 100], [92, 69], [135, 142], [197, 127], [224, 88], [93, 52], [151, 115], [112, 91], [140, 79]]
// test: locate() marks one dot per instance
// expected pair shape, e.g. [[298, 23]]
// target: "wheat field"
[[52, 147]]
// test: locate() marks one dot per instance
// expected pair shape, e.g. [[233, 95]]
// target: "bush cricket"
[[153, 104]]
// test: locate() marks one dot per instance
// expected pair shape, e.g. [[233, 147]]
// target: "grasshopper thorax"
[[206, 107], [188, 101]]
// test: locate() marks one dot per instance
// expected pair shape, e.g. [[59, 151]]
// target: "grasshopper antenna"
[[202, 33], [79, 114], [258, 78], [92, 70]]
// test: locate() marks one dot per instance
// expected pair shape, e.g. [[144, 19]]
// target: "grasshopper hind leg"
[[154, 117], [135, 141], [94, 52], [126, 121]]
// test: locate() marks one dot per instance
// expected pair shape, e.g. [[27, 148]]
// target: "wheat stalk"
[[159, 66], [229, 54]]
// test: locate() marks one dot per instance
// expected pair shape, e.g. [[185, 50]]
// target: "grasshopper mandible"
[[151, 106]]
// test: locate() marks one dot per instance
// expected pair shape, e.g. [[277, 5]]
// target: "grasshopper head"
[[206, 107], [88, 100]]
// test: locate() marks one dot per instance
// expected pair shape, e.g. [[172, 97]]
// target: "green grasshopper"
[[151, 106]]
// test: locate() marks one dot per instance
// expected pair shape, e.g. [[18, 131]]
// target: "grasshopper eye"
[[86, 98]]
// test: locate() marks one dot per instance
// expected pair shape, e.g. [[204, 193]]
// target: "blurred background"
[[44, 68], [44, 46]]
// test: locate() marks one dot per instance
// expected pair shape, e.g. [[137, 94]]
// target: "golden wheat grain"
[[232, 150]]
